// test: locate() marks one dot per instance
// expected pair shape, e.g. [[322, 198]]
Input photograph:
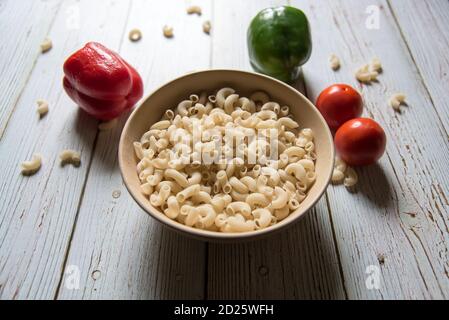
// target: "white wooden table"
[[68, 224]]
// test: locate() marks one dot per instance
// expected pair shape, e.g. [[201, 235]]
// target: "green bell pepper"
[[279, 42]]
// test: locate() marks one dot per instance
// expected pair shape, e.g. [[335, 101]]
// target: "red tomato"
[[338, 104], [360, 142]]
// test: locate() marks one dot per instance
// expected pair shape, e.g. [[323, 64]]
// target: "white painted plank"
[[299, 263], [121, 252], [429, 48], [38, 213], [399, 210], [23, 26]]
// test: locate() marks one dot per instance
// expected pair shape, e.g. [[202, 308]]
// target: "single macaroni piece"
[[172, 210], [207, 26], [280, 199], [42, 107], [135, 35], [161, 125], [396, 100], [167, 31], [46, 45], [288, 123], [257, 200], [351, 178], [230, 103], [187, 193], [70, 157], [262, 218], [237, 223], [297, 170], [108, 125], [375, 65], [334, 62], [32, 166], [222, 94], [207, 216], [223, 162], [337, 176], [194, 10]]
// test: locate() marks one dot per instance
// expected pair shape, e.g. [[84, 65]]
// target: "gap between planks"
[[412, 55], [69, 245]]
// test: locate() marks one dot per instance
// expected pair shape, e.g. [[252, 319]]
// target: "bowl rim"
[[213, 235]]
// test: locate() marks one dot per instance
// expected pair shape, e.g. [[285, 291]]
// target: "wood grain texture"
[[299, 263], [397, 218], [121, 252], [424, 26], [22, 29], [39, 212]]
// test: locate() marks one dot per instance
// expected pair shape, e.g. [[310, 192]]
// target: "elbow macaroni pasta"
[[194, 9], [46, 45], [240, 186], [167, 31], [42, 107], [32, 166], [70, 156], [334, 62]]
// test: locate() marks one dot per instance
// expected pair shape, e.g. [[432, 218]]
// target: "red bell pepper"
[[101, 82]]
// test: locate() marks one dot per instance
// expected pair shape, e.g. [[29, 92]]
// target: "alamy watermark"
[[372, 282], [72, 280], [372, 21], [72, 21]]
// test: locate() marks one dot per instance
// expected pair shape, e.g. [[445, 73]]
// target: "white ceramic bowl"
[[170, 94]]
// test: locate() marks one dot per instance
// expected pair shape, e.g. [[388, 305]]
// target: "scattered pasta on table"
[[167, 31], [207, 27], [396, 101], [194, 10], [227, 163], [334, 62], [46, 45], [344, 174], [135, 35], [42, 107], [351, 178]]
